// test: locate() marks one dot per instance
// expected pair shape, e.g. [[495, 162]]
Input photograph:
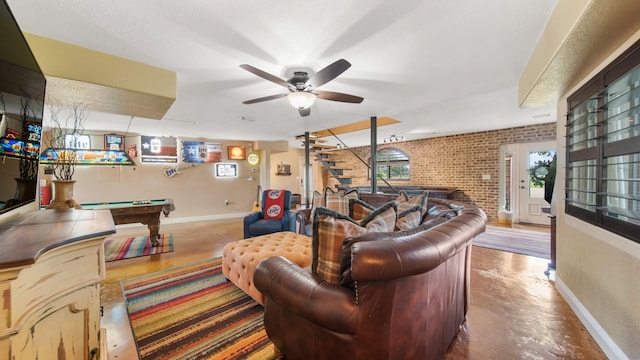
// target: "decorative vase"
[[63, 195], [505, 217]]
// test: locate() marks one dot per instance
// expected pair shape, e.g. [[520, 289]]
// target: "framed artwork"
[[132, 151], [113, 142], [158, 149], [283, 169], [77, 141], [201, 152], [226, 170], [236, 152]]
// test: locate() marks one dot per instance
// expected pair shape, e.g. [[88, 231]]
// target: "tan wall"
[[292, 183], [598, 272], [286, 182], [458, 161], [196, 191]]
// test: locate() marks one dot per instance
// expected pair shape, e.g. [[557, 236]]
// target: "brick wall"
[[457, 160]]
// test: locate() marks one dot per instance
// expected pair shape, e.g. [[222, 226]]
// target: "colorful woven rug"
[[130, 247], [193, 312], [526, 242]]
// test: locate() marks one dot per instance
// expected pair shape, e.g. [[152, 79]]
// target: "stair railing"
[[361, 160]]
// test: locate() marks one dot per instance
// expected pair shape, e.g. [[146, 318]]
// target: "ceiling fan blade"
[[304, 112], [328, 73], [265, 98], [265, 75], [336, 96]]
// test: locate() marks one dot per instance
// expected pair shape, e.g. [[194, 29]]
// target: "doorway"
[[522, 180], [534, 161]]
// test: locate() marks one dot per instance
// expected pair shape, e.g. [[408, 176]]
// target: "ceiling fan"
[[302, 88]]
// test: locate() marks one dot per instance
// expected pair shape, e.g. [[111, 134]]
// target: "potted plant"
[[65, 155]]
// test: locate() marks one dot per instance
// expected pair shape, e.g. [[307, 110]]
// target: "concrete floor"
[[515, 313]]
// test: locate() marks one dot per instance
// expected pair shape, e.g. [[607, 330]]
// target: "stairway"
[[325, 155]]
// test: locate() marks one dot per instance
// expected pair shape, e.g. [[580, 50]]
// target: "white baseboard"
[[170, 220], [608, 346]]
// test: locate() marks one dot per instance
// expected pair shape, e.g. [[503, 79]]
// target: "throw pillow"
[[316, 201], [338, 201], [330, 228], [358, 209], [442, 211], [274, 204], [405, 202], [409, 219]]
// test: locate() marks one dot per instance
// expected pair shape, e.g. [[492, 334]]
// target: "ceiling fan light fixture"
[[301, 99]]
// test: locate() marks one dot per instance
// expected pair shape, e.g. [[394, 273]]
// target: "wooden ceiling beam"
[[357, 126]]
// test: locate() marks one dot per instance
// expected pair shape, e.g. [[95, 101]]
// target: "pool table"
[[146, 212]]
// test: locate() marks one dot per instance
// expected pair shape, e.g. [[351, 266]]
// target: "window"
[[392, 164], [603, 148]]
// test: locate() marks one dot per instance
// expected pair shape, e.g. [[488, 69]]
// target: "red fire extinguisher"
[[45, 193]]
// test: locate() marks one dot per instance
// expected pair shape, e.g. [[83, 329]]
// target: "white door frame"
[[530, 208], [518, 153]]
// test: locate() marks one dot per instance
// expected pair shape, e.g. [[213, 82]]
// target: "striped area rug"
[[135, 246], [526, 242], [193, 312]]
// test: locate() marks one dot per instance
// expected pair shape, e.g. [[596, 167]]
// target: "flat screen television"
[[22, 90]]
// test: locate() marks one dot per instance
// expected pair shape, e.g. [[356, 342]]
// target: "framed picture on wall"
[[236, 152], [113, 142], [77, 141], [158, 149], [226, 170]]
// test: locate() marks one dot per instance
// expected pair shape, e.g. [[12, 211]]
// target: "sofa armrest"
[[250, 219], [296, 290], [303, 217], [289, 221]]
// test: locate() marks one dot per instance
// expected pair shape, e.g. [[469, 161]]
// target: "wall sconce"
[[392, 139]]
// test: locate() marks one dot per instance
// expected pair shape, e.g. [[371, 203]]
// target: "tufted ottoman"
[[240, 258]]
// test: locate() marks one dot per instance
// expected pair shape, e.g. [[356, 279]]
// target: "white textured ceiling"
[[439, 66]]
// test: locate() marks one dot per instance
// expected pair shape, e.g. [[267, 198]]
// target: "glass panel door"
[[535, 160]]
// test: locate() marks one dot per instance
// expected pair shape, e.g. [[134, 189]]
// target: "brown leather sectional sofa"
[[403, 294]]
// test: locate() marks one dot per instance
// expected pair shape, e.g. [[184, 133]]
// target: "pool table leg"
[[154, 233]]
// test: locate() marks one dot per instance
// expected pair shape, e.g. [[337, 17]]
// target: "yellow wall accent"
[[580, 34], [115, 84]]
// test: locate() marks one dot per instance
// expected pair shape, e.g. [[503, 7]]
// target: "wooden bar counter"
[[51, 265]]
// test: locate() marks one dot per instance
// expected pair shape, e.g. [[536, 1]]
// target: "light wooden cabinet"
[[51, 265]]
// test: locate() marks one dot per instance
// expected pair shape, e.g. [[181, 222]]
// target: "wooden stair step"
[[311, 138], [350, 176], [322, 146]]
